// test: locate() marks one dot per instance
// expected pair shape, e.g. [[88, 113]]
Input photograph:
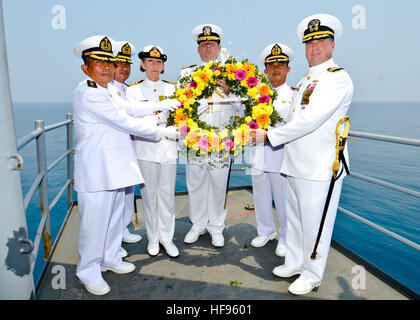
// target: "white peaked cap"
[[276, 52], [319, 26]]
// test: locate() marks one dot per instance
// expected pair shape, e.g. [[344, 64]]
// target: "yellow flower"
[[248, 119], [253, 92]]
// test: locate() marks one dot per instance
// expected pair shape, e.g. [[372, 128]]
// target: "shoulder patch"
[[91, 84], [191, 66], [137, 82], [334, 69]]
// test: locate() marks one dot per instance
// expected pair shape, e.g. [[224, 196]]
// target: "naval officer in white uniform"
[[105, 163], [207, 185], [118, 87], [323, 98], [157, 159], [267, 179]]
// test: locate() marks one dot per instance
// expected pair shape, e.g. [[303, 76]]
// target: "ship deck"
[[202, 272]]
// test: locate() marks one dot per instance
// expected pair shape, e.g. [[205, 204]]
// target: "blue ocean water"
[[393, 163]]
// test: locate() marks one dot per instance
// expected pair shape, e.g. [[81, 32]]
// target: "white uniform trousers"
[[206, 197], [129, 209], [304, 207], [158, 197], [100, 236], [265, 186]]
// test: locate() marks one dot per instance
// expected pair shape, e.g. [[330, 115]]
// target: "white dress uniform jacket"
[[157, 151], [308, 158], [103, 134], [310, 133]]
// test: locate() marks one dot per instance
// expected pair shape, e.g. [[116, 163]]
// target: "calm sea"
[[390, 162]]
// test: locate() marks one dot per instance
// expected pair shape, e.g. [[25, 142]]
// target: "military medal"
[[307, 93]]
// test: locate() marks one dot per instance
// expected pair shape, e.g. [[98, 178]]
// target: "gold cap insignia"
[[154, 52], [126, 49], [105, 45], [313, 25], [276, 50], [207, 30]]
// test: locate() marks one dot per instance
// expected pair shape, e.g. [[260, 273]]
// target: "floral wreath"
[[244, 81]]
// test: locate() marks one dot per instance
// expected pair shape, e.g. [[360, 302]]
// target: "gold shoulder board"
[[137, 82], [334, 69], [191, 66]]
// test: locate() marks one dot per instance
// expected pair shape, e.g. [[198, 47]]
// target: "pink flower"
[[265, 98], [184, 130], [228, 145], [252, 81], [217, 68], [240, 75], [193, 84], [253, 125], [204, 142]]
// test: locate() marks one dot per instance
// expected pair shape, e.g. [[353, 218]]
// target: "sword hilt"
[[341, 142]]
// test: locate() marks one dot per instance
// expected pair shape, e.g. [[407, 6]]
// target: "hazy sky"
[[380, 52]]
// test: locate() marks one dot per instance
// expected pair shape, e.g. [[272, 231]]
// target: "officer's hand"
[[168, 104], [258, 135], [223, 86], [171, 133]]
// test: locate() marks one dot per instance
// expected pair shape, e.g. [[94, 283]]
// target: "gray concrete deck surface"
[[202, 272]]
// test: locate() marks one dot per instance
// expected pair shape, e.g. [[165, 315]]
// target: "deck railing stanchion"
[[43, 187], [70, 156]]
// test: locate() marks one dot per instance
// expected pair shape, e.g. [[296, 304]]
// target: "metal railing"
[[398, 140], [41, 181]]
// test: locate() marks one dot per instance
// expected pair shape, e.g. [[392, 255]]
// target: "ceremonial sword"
[[341, 142]]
